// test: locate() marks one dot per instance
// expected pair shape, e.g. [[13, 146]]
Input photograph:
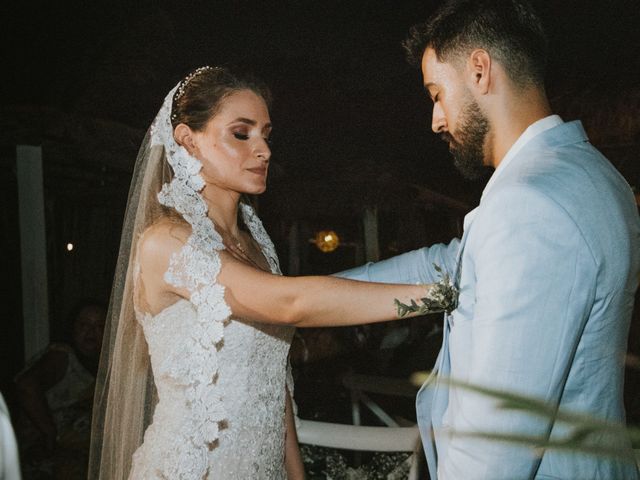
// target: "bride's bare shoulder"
[[156, 247], [163, 238]]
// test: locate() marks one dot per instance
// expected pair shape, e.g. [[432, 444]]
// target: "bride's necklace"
[[236, 248]]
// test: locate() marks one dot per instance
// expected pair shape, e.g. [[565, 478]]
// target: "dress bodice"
[[220, 381]]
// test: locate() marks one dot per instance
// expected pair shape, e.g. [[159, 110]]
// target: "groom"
[[547, 266]]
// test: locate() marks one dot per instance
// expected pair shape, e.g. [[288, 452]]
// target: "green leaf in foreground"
[[586, 434]]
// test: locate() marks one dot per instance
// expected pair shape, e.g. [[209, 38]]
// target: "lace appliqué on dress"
[[191, 364], [259, 233]]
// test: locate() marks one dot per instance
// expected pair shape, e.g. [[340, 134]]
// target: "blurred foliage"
[[583, 428]]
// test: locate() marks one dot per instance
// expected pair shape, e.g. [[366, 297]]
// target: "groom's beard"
[[468, 150]]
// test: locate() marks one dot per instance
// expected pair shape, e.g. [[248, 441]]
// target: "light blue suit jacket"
[[548, 267]]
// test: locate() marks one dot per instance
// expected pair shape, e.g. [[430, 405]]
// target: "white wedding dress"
[[220, 380]]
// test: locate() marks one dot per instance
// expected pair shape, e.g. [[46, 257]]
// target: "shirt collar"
[[529, 134]]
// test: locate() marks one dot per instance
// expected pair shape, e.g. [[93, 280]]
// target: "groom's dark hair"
[[510, 30]]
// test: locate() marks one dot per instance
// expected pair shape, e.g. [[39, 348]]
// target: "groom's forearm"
[[416, 266]]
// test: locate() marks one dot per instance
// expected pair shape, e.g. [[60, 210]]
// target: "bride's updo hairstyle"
[[201, 93]]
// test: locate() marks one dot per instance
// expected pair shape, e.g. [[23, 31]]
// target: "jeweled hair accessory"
[[184, 83]]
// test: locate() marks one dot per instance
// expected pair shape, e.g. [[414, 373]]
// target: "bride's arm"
[[311, 301]]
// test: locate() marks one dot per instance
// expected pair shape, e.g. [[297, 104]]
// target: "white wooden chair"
[[361, 438], [390, 438]]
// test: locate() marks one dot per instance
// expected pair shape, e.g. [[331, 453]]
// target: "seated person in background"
[[55, 392]]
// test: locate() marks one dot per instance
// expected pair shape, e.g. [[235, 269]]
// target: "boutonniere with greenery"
[[441, 297]]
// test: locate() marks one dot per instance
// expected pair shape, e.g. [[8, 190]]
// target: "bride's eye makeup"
[[241, 135]]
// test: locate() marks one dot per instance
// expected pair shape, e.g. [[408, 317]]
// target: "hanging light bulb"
[[327, 241], [69, 246]]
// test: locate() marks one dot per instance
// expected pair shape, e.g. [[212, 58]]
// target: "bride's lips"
[[258, 171]]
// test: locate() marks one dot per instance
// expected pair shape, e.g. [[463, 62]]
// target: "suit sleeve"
[[535, 286], [411, 267]]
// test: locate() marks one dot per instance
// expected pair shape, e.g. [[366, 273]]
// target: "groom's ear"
[[479, 70], [184, 137]]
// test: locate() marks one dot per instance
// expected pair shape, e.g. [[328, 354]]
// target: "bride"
[[194, 381]]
